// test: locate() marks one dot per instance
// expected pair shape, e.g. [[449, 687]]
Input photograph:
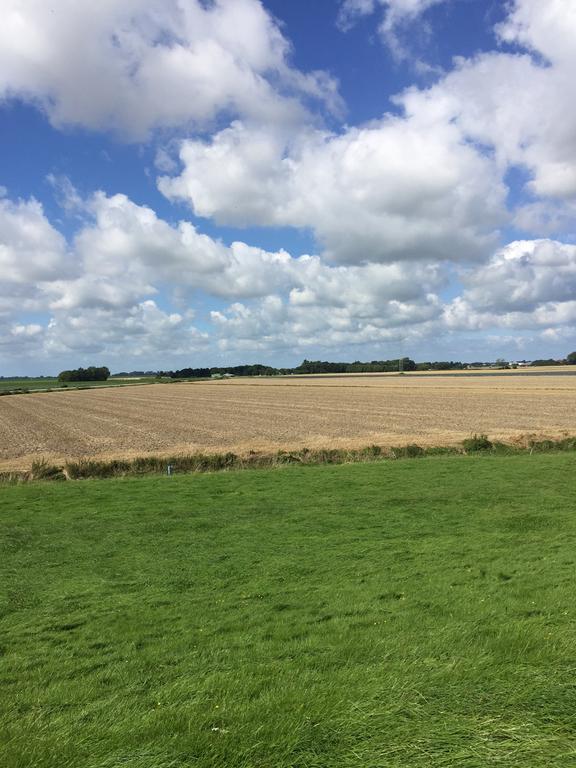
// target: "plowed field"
[[269, 414]]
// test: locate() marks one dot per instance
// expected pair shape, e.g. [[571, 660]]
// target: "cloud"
[[547, 217], [394, 11], [396, 24], [238, 177], [524, 275], [397, 189], [125, 256], [137, 65], [21, 340], [140, 331], [516, 104], [66, 194], [131, 268], [277, 300], [31, 250], [526, 285], [427, 183], [128, 250], [398, 206], [32, 255], [545, 28], [272, 324], [519, 104], [352, 10], [130, 246]]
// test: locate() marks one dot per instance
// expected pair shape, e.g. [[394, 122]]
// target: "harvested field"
[[278, 413]]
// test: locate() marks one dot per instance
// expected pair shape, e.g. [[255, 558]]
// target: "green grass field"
[[409, 613], [31, 384], [35, 385]]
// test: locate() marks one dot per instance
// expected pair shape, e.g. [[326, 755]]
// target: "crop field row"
[[280, 413]]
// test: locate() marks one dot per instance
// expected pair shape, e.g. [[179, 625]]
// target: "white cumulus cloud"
[[393, 190], [527, 284], [519, 104], [135, 65], [30, 248]]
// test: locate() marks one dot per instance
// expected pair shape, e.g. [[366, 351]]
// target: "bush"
[[505, 449], [42, 470], [411, 451], [567, 444], [543, 446], [85, 468], [476, 444], [371, 452], [442, 450]]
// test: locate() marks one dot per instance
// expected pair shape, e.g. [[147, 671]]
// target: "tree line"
[[324, 366], [306, 367], [311, 367]]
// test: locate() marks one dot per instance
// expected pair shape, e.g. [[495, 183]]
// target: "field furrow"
[[280, 413]]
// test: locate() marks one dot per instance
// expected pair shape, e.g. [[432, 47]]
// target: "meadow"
[[283, 413], [392, 615], [24, 386]]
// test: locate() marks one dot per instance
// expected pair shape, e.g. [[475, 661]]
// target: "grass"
[[406, 613], [85, 469], [24, 386]]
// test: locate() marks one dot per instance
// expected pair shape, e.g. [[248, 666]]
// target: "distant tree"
[[91, 373], [408, 364], [548, 361], [571, 358], [376, 366], [444, 365]]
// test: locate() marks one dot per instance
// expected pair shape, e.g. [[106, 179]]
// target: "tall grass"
[[84, 469]]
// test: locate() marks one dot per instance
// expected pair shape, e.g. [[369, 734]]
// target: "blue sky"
[[195, 183]]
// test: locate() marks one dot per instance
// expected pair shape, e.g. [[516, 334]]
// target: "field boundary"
[[85, 469], [73, 387]]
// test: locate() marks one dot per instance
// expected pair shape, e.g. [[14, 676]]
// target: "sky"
[[214, 182]]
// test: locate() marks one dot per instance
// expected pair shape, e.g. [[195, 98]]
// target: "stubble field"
[[281, 413]]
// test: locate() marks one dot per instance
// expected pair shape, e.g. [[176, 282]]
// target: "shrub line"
[[221, 462]]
